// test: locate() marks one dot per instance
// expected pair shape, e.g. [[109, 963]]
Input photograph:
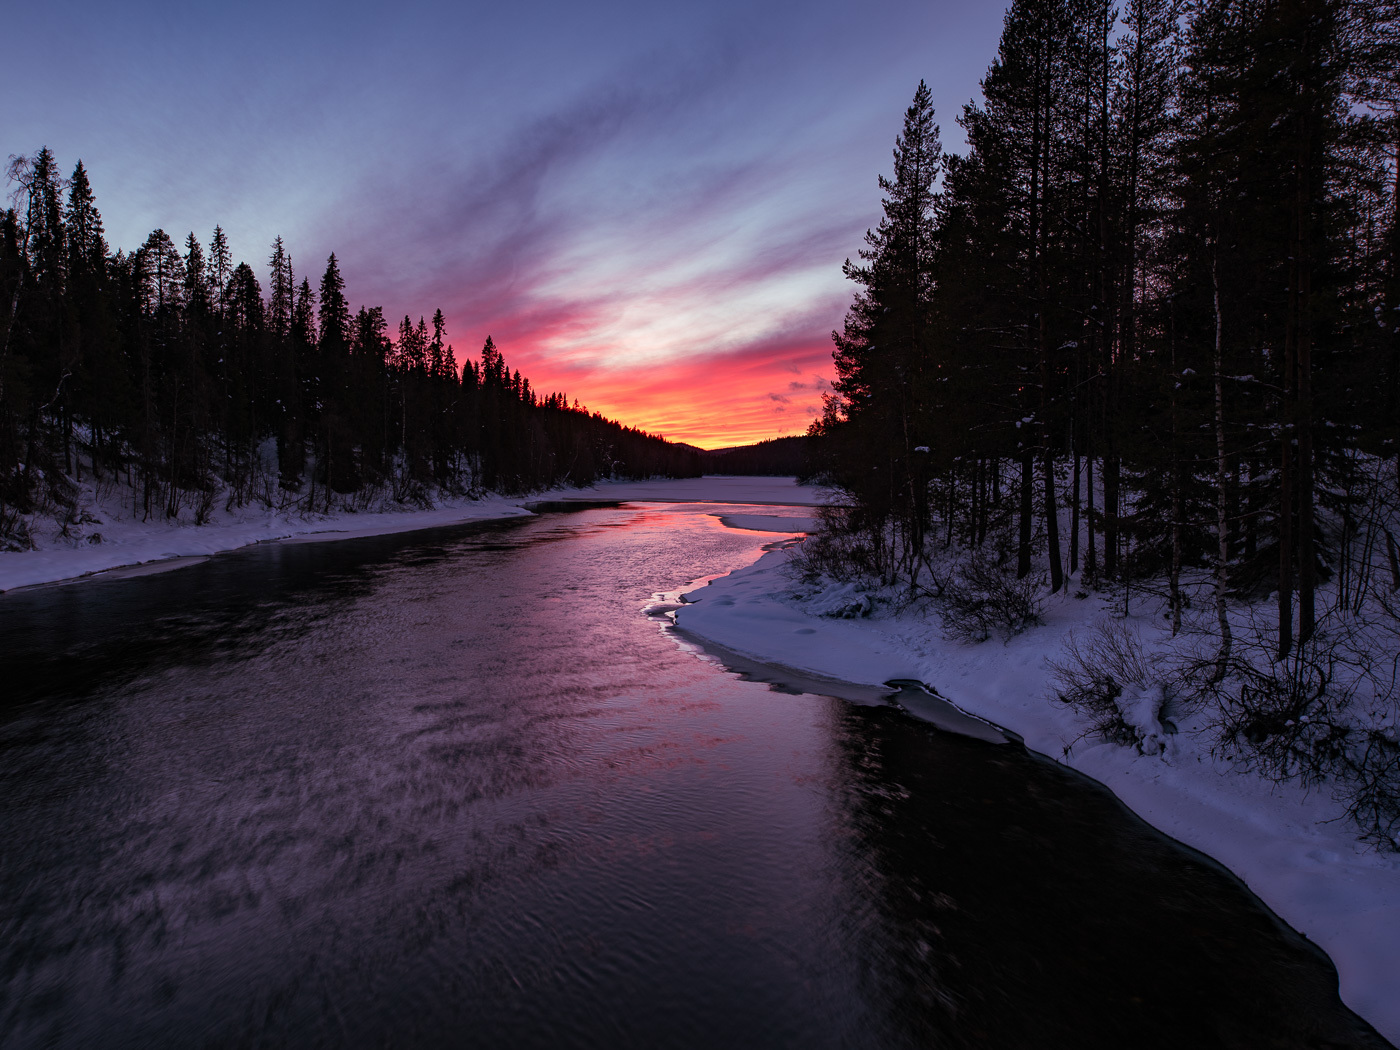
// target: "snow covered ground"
[[114, 539], [1296, 850]]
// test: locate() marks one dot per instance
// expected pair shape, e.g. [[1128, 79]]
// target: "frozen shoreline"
[[129, 545], [1296, 850]]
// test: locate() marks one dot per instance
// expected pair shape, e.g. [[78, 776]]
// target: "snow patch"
[[1141, 708]]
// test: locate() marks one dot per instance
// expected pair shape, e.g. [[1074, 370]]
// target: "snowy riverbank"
[[111, 538], [1295, 849]]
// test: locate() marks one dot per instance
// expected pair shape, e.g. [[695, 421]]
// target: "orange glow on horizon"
[[734, 398]]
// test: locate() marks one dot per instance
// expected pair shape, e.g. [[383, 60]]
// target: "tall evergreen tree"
[[876, 418], [279, 309], [1263, 91], [220, 267], [196, 296], [334, 315], [87, 245]]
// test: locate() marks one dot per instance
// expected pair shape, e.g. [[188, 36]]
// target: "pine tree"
[[1373, 33], [304, 314], [13, 272], [279, 310], [412, 350], [87, 247], [45, 237], [196, 295], [1012, 138], [162, 274], [1263, 96], [334, 333], [436, 360], [245, 302], [102, 387], [220, 267], [492, 364], [877, 415]]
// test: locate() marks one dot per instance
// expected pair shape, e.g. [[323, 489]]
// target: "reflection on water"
[[453, 788]]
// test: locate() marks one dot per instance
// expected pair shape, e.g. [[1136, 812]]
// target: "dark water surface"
[[454, 788]]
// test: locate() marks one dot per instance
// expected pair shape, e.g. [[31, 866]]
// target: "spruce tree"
[[45, 237], [197, 296], [101, 391], [334, 316], [220, 267], [162, 274], [877, 419], [279, 308], [1262, 96], [87, 246]]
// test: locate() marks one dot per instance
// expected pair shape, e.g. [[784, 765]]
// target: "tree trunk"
[[1052, 526], [1109, 470], [1222, 563], [1174, 583], [1023, 550], [1393, 556], [1074, 519], [1091, 561], [1307, 581]]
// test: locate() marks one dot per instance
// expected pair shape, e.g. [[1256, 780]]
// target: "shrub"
[[1295, 719], [1109, 677], [982, 595], [839, 550]]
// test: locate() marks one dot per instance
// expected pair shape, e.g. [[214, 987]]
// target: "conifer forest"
[[177, 371], [1143, 337]]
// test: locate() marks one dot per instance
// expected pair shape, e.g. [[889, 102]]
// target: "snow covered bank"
[[112, 541], [110, 537], [1295, 849]]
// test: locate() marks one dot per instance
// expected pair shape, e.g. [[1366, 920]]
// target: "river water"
[[457, 788]]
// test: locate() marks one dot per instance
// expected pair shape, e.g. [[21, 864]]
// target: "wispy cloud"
[[711, 285]]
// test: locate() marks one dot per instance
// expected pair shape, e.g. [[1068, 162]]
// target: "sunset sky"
[[645, 204]]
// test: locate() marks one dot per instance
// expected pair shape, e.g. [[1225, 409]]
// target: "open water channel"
[[458, 788]]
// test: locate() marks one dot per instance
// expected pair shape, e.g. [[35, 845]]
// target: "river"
[[459, 788]]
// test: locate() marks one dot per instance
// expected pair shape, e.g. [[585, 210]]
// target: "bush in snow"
[[981, 595], [1373, 785], [1299, 719], [14, 530], [840, 550], [410, 490], [843, 600], [1110, 677]]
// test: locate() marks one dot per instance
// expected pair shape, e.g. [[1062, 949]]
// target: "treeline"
[[778, 457], [175, 368], [1150, 322]]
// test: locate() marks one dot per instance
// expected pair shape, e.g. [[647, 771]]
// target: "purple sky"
[[647, 205]]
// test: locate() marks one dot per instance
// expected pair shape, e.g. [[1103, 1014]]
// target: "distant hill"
[[783, 457]]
